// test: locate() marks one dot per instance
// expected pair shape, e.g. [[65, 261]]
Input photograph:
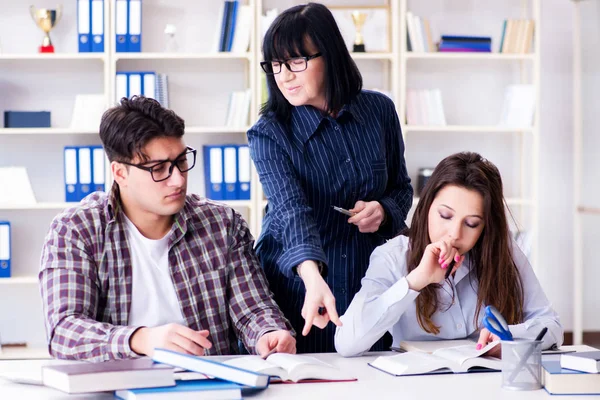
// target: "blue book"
[[467, 38], [192, 390], [559, 380], [121, 25], [209, 367], [134, 21], [97, 17], [231, 33], [5, 244], [27, 119], [84, 25]]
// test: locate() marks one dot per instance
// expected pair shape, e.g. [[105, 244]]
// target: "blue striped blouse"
[[307, 166]]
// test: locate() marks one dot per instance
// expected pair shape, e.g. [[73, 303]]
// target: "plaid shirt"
[[85, 279]]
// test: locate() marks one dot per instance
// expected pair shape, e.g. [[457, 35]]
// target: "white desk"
[[371, 385]]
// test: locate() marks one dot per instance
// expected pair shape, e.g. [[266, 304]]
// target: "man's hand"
[[369, 216], [276, 342], [318, 296], [171, 337]]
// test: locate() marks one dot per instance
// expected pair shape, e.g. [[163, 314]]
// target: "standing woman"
[[321, 141]]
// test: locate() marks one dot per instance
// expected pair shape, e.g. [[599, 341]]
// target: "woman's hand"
[[318, 296], [369, 216], [486, 337], [433, 266]]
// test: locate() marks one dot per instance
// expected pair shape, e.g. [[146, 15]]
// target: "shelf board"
[[216, 129], [509, 200], [372, 56], [19, 280], [465, 128], [53, 56], [47, 131], [37, 206], [182, 56], [469, 56]]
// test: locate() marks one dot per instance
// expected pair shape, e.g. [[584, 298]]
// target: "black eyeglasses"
[[296, 64], [162, 170]]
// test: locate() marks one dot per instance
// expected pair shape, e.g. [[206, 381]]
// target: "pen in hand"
[[344, 211]]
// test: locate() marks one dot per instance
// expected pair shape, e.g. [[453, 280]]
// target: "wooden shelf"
[[19, 280], [182, 56], [215, 129], [37, 206], [53, 56], [46, 131], [465, 128], [469, 56], [372, 56]]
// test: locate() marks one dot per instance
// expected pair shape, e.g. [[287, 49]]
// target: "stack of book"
[[575, 373], [424, 107], [233, 35], [465, 44], [517, 36]]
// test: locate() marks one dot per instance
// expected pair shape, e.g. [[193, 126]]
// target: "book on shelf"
[[430, 346], [5, 256], [517, 36], [458, 359], [518, 108], [291, 368], [233, 33], [21, 192], [451, 43], [107, 376], [587, 361], [557, 380], [213, 389], [238, 111], [212, 368], [87, 111], [425, 107]]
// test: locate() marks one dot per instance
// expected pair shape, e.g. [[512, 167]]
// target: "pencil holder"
[[522, 364]]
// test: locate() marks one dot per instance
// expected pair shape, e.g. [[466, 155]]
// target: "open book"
[[451, 359], [291, 367]]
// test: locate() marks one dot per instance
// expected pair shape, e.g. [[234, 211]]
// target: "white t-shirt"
[[153, 298]]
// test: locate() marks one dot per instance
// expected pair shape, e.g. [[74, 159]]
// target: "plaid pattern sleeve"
[[70, 290], [252, 308]]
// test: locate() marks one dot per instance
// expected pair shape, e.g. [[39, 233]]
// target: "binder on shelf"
[[5, 242], [162, 90], [244, 168], [71, 174], [85, 171], [135, 84], [97, 17], [121, 87], [98, 169], [121, 25], [83, 26], [232, 25], [230, 171], [134, 33], [149, 84], [213, 172]]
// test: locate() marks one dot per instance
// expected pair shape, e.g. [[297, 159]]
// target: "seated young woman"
[[460, 218]]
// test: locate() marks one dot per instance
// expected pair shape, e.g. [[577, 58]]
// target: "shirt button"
[[343, 291], [348, 160], [459, 326], [337, 128], [343, 256]]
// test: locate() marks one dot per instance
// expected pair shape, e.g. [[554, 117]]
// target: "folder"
[[98, 26], [230, 171], [149, 84], [5, 255], [135, 26], [85, 171], [71, 174], [83, 25], [213, 172], [232, 24], [244, 172], [98, 169], [135, 84], [121, 87], [121, 26]]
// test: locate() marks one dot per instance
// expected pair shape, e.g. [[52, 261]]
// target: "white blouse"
[[386, 303]]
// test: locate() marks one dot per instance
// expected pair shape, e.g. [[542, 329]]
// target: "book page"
[[299, 367], [413, 363], [429, 346], [460, 354], [257, 364]]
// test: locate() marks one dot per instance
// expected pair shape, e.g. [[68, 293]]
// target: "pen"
[[344, 211], [449, 269]]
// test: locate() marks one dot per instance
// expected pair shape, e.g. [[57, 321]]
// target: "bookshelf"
[[200, 82]]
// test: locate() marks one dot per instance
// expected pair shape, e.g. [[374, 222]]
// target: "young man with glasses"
[[147, 266]]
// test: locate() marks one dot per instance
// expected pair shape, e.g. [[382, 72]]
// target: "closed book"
[[107, 376], [557, 380], [212, 368], [213, 389], [588, 361], [27, 119], [467, 38], [292, 368]]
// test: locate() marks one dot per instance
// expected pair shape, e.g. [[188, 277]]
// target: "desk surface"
[[371, 384]]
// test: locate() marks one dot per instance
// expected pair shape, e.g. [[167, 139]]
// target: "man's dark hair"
[[125, 129]]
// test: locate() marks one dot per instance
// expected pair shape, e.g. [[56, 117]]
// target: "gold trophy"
[[359, 20], [46, 19]]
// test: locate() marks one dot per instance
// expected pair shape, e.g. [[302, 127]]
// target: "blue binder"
[[97, 26], [98, 169], [5, 244], [230, 171], [71, 173], [84, 161], [121, 86], [121, 25], [84, 25], [213, 172], [244, 173], [232, 23], [134, 32]]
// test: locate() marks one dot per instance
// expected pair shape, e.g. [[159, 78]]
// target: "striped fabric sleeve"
[[294, 225], [252, 308], [398, 196], [69, 289]]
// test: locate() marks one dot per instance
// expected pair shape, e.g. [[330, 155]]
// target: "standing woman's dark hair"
[[287, 38], [497, 276]]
